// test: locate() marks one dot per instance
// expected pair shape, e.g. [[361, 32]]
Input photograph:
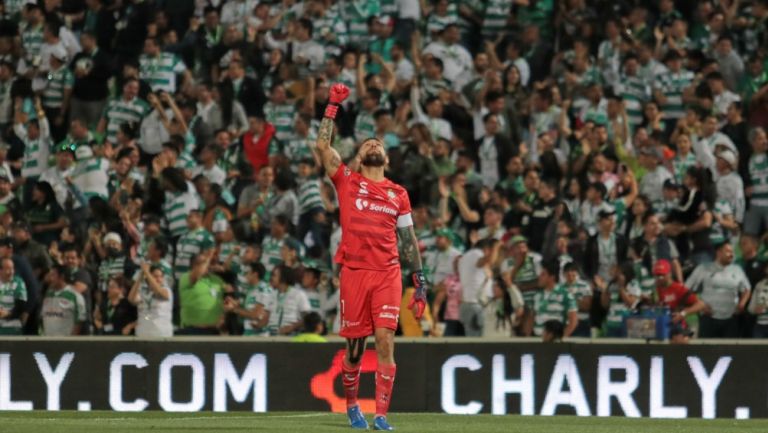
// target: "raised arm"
[[328, 155]]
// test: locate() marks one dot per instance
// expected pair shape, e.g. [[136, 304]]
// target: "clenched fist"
[[338, 93]]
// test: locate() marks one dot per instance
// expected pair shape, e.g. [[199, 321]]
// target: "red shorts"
[[369, 300]]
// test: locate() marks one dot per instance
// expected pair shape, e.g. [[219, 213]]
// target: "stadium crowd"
[[569, 163]]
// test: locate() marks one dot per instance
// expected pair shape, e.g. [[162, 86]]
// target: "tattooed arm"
[[409, 248], [328, 155], [410, 256]]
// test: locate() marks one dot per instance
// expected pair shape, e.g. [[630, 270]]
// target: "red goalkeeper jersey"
[[370, 213]]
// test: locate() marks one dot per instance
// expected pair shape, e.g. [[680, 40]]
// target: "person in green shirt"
[[201, 298], [312, 331], [554, 302]]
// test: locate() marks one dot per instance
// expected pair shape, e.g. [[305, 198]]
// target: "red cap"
[[662, 267]]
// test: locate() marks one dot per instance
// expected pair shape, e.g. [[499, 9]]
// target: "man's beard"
[[373, 160]]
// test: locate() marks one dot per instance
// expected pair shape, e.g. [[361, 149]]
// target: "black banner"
[[656, 381]]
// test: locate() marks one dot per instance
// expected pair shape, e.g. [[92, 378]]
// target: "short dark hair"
[[311, 321], [554, 327]]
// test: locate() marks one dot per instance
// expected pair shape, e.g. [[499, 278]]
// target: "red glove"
[[419, 299], [338, 93]]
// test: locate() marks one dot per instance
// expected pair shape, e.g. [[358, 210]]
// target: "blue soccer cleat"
[[356, 418], [380, 423]]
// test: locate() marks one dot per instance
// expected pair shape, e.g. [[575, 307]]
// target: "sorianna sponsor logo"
[[361, 204]]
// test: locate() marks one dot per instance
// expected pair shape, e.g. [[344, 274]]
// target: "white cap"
[[112, 236], [728, 156], [60, 53]]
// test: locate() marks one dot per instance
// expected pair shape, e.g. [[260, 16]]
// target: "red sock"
[[350, 378], [385, 378]]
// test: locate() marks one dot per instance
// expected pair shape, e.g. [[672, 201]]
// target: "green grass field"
[[82, 422]]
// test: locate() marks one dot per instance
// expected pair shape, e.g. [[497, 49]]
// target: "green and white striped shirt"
[[160, 72], [282, 117], [681, 164], [327, 24], [58, 81], [92, 177], [270, 252], [356, 13], [365, 126], [188, 246], [309, 195], [260, 294], [37, 151], [62, 310], [297, 148], [635, 93], [552, 304], [32, 41], [436, 22], [109, 268], [120, 111], [579, 289], [758, 174], [10, 292], [671, 86], [495, 16], [177, 207]]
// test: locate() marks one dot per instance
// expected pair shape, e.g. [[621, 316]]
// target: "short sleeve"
[[405, 203], [570, 301], [80, 307], [21, 290]]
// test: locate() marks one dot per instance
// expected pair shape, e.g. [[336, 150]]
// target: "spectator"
[[554, 302], [195, 242], [523, 269], [63, 311], [474, 269], [724, 289], [673, 295], [552, 332], [90, 89], [201, 297], [115, 315], [448, 293], [35, 252], [13, 299], [153, 299], [312, 331], [582, 295], [290, 304], [45, 215], [258, 304]]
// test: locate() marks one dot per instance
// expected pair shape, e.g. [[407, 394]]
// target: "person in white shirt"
[[91, 174], [711, 138], [652, 183], [722, 97], [439, 260], [291, 304], [457, 61], [477, 284], [59, 177], [439, 127], [208, 166], [730, 187]]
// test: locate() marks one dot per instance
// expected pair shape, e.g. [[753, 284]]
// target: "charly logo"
[[361, 204], [363, 188]]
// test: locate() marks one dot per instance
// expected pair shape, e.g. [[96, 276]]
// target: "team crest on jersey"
[[391, 194]]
